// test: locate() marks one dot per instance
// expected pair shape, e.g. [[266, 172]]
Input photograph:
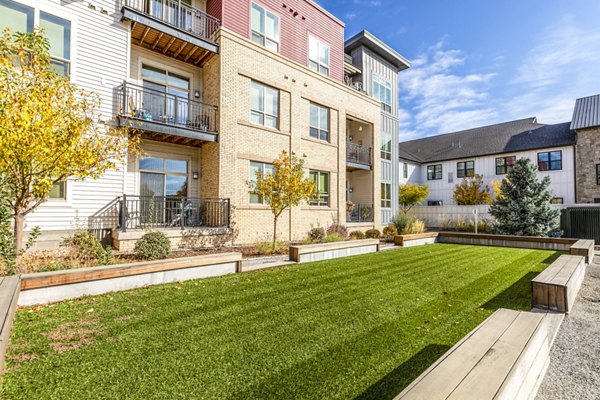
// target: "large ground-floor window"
[[163, 177]]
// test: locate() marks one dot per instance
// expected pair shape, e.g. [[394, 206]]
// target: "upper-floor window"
[[58, 191], [258, 168], [550, 160], [20, 18], [319, 122], [434, 172], [318, 55], [505, 164], [465, 169], [321, 195], [382, 91], [386, 195], [386, 147], [264, 105], [165, 96], [404, 170], [265, 27]]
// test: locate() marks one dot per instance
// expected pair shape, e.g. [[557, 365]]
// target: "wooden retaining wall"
[[327, 251]]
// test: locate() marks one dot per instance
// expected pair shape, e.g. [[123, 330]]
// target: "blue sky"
[[479, 62]]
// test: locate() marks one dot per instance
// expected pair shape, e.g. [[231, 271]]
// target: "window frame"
[[263, 35], [549, 160], [386, 195], [382, 96], [319, 129], [557, 200], [506, 166], [165, 171], [320, 199], [386, 147], [60, 184], [264, 167], [263, 115], [433, 173], [317, 65], [463, 172]]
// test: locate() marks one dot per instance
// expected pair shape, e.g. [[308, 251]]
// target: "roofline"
[[324, 11], [389, 53]]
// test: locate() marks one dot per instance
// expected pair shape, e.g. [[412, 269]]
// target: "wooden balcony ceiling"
[[173, 139], [169, 45]]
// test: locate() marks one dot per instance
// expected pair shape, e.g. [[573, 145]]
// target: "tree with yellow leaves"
[[49, 128], [471, 191], [283, 188]]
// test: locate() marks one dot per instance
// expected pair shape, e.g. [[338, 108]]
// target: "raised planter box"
[[557, 286], [416, 239], [48, 287], [327, 251], [528, 242]]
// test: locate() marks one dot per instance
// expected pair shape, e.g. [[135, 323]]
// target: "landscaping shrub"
[[357, 235], [316, 235], [87, 249], [334, 237], [401, 221], [389, 232], [339, 229], [153, 245], [417, 226], [373, 234], [265, 247]]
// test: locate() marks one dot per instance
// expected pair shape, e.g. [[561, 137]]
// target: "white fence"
[[439, 216]]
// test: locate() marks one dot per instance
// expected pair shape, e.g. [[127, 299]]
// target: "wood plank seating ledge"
[[584, 248], [557, 286], [9, 294], [322, 251], [505, 357], [401, 240]]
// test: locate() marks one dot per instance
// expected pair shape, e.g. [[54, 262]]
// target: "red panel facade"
[[297, 19], [215, 8]]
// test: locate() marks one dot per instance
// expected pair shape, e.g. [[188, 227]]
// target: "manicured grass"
[[354, 328]]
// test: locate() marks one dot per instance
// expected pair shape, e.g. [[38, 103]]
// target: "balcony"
[[358, 156], [166, 117], [172, 28], [359, 213], [150, 212]]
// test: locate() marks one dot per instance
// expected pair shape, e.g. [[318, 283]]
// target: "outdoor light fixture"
[[360, 128], [195, 175], [350, 190], [350, 138], [197, 94]]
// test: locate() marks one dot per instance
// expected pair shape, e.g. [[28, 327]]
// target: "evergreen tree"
[[524, 207]]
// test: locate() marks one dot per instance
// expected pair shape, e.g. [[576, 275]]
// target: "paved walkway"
[[574, 371]]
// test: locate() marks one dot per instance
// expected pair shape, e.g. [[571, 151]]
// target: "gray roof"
[[507, 137], [586, 113], [367, 39]]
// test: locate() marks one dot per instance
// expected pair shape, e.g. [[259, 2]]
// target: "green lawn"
[[354, 328]]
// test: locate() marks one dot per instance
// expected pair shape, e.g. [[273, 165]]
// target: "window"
[[58, 191], [259, 168], [382, 91], [319, 122], [321, 195], [557, 200], [465, 169], [597, 174], [550, 160], [434, 172], [20, 18], [265, 28], [405, 170], [505, 164], [386, 195], [264, 105], [163, 177], [318, 56], [435, 203], [165, 96], [386, 147]]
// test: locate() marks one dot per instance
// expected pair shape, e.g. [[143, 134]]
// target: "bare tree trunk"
[[275, 230], [19, 235]]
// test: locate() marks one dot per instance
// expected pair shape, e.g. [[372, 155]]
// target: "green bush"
[[153, 245], [316, 235], [401, 221], [373, 234], [333, 237], [389, 232], [357, 235], [88, 249]]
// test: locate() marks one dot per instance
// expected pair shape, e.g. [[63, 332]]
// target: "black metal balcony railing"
[[157, 106], [358, 154], [142, 212], [360, 213], [179, 15]]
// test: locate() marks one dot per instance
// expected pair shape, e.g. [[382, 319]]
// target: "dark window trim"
[[505, 167], [434, 172], [465, 171], [598, 174], [557, 200], [550, 162]]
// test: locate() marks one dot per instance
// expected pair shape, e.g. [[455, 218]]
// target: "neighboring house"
[[218, 89], [443, 161], [586, 122]]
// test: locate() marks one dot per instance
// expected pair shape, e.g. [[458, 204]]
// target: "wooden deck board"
[[9, 295]]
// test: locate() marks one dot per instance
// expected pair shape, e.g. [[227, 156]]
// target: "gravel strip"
[[574, 371]]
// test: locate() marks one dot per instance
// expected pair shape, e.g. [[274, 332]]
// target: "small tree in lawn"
[[49, 128], [285, 187], [524, 207], [471, 192], [411, 194]]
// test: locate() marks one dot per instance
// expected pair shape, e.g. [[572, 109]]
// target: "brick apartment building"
[[219, 88]]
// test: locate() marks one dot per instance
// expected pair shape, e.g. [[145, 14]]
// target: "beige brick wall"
[[241, 61], [587, 155]]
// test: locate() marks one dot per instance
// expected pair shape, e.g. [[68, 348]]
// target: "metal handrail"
[[360, 213], [359, 154]]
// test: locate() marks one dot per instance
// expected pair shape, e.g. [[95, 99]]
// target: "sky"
[[480, 62]]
